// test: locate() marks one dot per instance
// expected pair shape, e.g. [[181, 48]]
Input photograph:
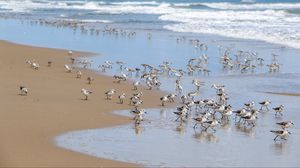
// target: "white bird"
[[285, 124], [136, 84], [78, 74], [70, 52], [163, 100], [68, 68], [278, 109], [86, 93], [110, 93], [280, 133], [211, 124], [122, 97], [24, 90], [265, 104]]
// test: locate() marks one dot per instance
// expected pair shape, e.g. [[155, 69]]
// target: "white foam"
[[253, 6], [269, 25]]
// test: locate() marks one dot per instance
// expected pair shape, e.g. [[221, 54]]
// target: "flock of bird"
[[208, 113]]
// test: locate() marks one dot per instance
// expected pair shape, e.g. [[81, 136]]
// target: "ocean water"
[[251, 23], [275, 21]]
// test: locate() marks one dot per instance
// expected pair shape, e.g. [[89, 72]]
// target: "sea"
[[262, 27], [274, 21]]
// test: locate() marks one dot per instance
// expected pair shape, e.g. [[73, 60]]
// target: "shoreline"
[[53, 107]]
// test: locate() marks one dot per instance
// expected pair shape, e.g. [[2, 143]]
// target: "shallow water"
[[161, 141], [175, 144]]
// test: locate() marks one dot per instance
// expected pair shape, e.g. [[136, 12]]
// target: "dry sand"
[[53, 106]]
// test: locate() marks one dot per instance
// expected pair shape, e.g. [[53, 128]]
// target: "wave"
[[252, 6], [270, 25]]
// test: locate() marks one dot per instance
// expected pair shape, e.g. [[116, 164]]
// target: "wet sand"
[[53, 106]]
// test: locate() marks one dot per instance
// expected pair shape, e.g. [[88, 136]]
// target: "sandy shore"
[[54, 106]]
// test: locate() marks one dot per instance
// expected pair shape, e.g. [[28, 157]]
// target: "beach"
[[220, 83], [53, 106]]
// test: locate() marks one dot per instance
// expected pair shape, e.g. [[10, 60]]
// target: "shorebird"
[[136, 84], [68, 68], [250, 119], [280, 133], [86, 93], [49, 63], [240, 113], [171, 97], [201, 119], [122, 97], [110, 93], [163, 100], [265, 104], [90, 79], [198, 83], [181, 114], [70, 52], [250, 105], [211, 124], [192, 94], [285, 124], [24, 90], [279, 110], [120, 78], [78, 74]]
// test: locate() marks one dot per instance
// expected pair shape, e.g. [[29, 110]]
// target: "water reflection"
[[279, 147]]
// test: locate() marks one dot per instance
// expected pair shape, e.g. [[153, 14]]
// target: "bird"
[[285, 124], [211, 124], [70, 52], [122, 97], [110, 93], [181, 114], [136, 84], [86, 93], [201, 119], [163, 100], [49, 63], [78, 74], [24, 90], [90, 79], [280, 133], [250, 105], [171, 97], [278, 109], [192, 94], [68, 68], [265, 104]]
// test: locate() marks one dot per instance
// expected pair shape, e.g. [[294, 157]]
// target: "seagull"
[[280, 133], [265, 104], [278, 109], [24, 90], [285, 124], [86, 93]]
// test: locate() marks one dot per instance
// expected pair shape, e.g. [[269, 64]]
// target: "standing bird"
[[78, 74], [86, 93], [211, 124], [122, 97], [279, 110], [265, 104], [110, 93], [24, 90], [250, 105], [49, 63], [280, 133], [285, 124], [136, 84], [90, 79], [163, 100]]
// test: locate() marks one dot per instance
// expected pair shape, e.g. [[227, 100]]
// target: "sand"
[[53, 106]]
